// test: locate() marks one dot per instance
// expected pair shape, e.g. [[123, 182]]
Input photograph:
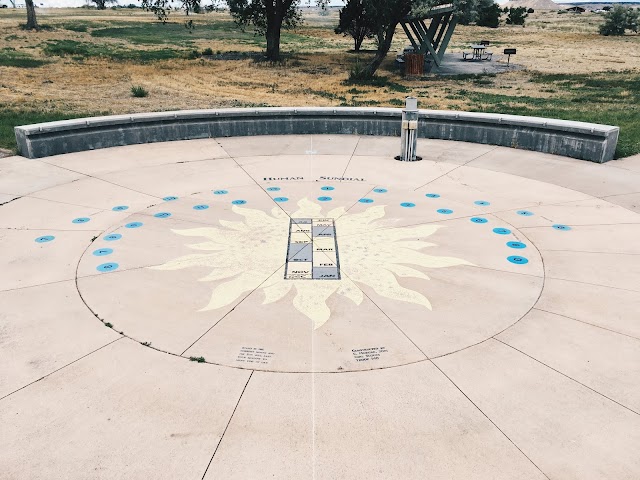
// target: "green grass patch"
[[176, 33], [80, 27], [11, 117], [157, 33], [617, 100], [13, 58], [375, 81], [75, 49]]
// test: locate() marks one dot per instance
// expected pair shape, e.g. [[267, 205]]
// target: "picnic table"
[[479, 53]]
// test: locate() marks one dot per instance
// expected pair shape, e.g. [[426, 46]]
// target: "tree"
[[384, 15], [516, 15], [268, 17], [619, 19], [488, 14], [32, 23], [355, 22], [102, 4]]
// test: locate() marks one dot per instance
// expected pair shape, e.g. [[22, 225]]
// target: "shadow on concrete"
[[453, 64]]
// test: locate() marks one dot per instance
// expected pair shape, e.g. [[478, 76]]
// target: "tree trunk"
[[383, 48], [274, 26], [32, 24], [358, 43]]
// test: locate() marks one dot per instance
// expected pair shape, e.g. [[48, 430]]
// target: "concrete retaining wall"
[[586, 141]]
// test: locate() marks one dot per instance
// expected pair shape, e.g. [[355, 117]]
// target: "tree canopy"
[[102, 4], [268, 17], [488, 14]]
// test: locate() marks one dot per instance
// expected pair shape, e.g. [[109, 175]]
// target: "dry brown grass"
[[549, 43]]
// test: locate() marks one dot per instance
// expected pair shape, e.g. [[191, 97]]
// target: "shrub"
[[619, 19], [139, 91], [516, 15], [193, 55], [207, 51]]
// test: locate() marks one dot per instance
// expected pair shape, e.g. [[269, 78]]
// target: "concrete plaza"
[[158, 319]]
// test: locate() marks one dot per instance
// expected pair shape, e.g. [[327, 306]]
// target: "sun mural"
[[250, 254]]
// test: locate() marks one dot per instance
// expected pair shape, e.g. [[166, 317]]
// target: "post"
[[409, 133]]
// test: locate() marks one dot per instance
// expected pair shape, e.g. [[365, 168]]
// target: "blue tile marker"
[[325, 199], [107, 267], [101, 252], [200, 207], [516, 245], [478, 220], [432, 195], [482, 203], [239, 202], [327, 188], [281, 199], [518, 260], [444, 211], [561, 227], [112, 237], [524, 213], [366, 200], [134, 225], [45, 239], [162, 215], [220, 192], [120, 208], [81, 220], [380, 190], [170, 198], [502, 231], [273, 189], [407, 204]]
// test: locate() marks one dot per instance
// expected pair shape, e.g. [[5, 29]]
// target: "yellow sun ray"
[[244, 254]]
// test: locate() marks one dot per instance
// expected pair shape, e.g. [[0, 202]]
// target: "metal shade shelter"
[[431, 40]]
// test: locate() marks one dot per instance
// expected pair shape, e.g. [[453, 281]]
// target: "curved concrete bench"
[[586, 141]]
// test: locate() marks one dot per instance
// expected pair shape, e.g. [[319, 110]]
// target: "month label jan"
[[312, 253]]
